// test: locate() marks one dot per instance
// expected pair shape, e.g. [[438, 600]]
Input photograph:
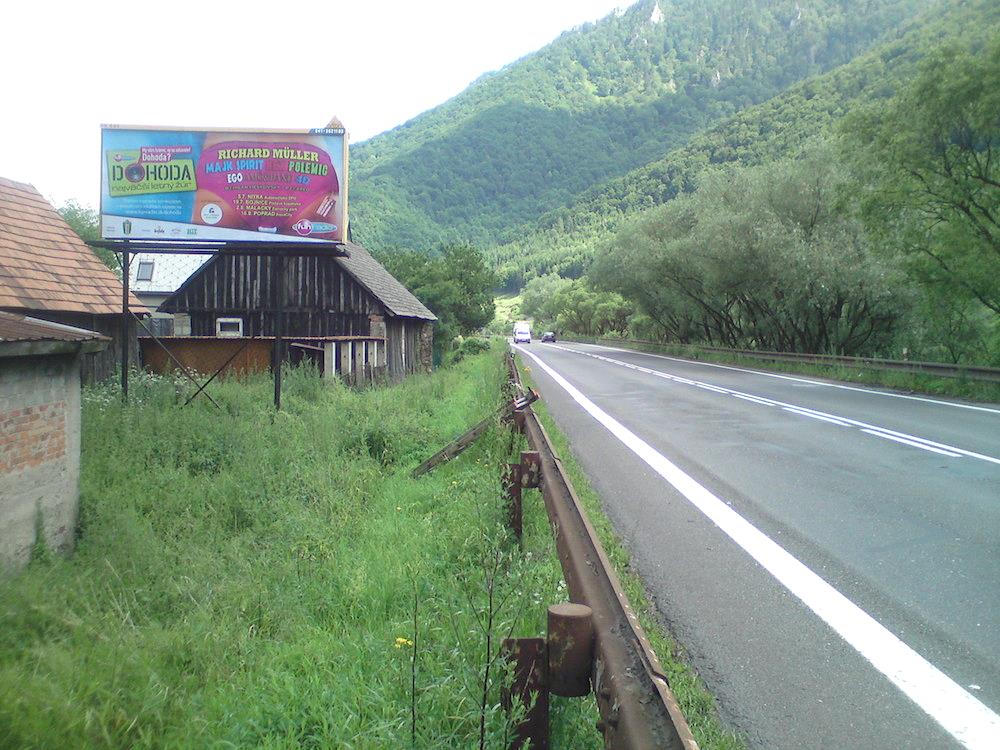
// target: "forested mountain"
[[567, 239], [600, 101]]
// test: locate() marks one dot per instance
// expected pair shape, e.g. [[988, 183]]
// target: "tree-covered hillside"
[[601, 100], [856, 214], [567, 239]]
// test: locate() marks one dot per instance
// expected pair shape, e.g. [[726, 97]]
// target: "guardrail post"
[[530, 687], [570, 649], [512, 481], [531, 469]]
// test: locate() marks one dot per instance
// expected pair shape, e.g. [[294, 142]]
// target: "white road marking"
[[914, 443], [871, 391], [803, 413], [761, 401], [712, 388], [864, 426], [966, 719]]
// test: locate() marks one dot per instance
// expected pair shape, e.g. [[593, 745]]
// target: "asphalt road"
[[828, 555]]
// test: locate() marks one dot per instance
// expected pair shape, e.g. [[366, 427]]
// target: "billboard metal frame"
[[124, 249]]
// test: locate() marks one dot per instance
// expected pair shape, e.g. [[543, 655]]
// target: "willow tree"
[[932, 154], [762, 258]]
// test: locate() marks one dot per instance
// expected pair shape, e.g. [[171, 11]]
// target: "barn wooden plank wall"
[[403, 339], [321, 299]]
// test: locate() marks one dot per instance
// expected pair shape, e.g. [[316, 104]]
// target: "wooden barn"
[[47, 272], [327, 299]]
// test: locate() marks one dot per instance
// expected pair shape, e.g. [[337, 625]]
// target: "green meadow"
[[250, 579]]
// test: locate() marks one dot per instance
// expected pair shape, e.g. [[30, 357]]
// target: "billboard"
[[195, 185]]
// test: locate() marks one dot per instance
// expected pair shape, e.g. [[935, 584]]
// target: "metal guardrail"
[[638, 709], [939, 369]]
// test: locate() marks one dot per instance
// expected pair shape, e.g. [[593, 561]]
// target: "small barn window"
[[145, 271], [229, 326]]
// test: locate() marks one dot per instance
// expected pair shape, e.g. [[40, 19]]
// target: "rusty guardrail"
[[939, 369], [638, 709]]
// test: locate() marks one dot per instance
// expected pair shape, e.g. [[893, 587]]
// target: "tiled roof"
[[44, 265], [373, 276], [22, 328]]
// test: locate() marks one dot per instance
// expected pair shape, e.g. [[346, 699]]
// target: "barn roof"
[[390, 292], [44, 265]]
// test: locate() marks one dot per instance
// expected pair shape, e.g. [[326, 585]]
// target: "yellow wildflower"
[[400, 642]]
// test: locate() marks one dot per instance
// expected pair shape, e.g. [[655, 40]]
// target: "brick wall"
[[32, 435], [39, 453]]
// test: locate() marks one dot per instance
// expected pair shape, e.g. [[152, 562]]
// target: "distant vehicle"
[[549, 336], [522, 332]]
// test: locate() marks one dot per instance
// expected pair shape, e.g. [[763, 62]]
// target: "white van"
[[522, 332]]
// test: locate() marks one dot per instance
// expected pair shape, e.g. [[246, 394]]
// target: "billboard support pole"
[[279, 329], [125, 321]]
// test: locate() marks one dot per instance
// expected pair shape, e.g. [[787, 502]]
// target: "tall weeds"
[[244, 578]]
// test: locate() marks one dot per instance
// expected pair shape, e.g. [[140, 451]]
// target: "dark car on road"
[[548, 336]]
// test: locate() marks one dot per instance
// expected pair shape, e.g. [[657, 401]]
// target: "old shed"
[[39, 432], [326, 297], [47, 271]]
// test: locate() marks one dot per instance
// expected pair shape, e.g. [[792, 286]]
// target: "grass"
[[962, 388], [250, 579], [696, 702]]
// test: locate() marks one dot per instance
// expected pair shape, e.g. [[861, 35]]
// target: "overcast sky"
[[69, 66]]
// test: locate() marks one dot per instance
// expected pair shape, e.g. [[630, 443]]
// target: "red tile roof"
[[44, 265]]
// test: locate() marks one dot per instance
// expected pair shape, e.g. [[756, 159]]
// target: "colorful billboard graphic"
[[176, 184]]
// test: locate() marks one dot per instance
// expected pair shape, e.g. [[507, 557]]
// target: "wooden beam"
[[463, 441]]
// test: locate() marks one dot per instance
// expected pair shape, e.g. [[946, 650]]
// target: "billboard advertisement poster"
[[195, 185]]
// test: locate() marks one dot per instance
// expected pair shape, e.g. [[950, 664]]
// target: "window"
[[145, 271], [229, 326]]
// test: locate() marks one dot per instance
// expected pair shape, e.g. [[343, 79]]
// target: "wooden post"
[[329, 360], [346, 359], [359, 362]]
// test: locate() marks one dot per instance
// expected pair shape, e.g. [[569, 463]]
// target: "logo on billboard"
[[211, 213], [145, 171]]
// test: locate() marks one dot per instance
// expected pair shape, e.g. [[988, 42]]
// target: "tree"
[[933, 156], [455, 283], [539, 296], [87, 225], [760, 258]]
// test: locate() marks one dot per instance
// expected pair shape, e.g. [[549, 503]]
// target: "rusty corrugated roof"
[[14, 327], [44, 265]]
